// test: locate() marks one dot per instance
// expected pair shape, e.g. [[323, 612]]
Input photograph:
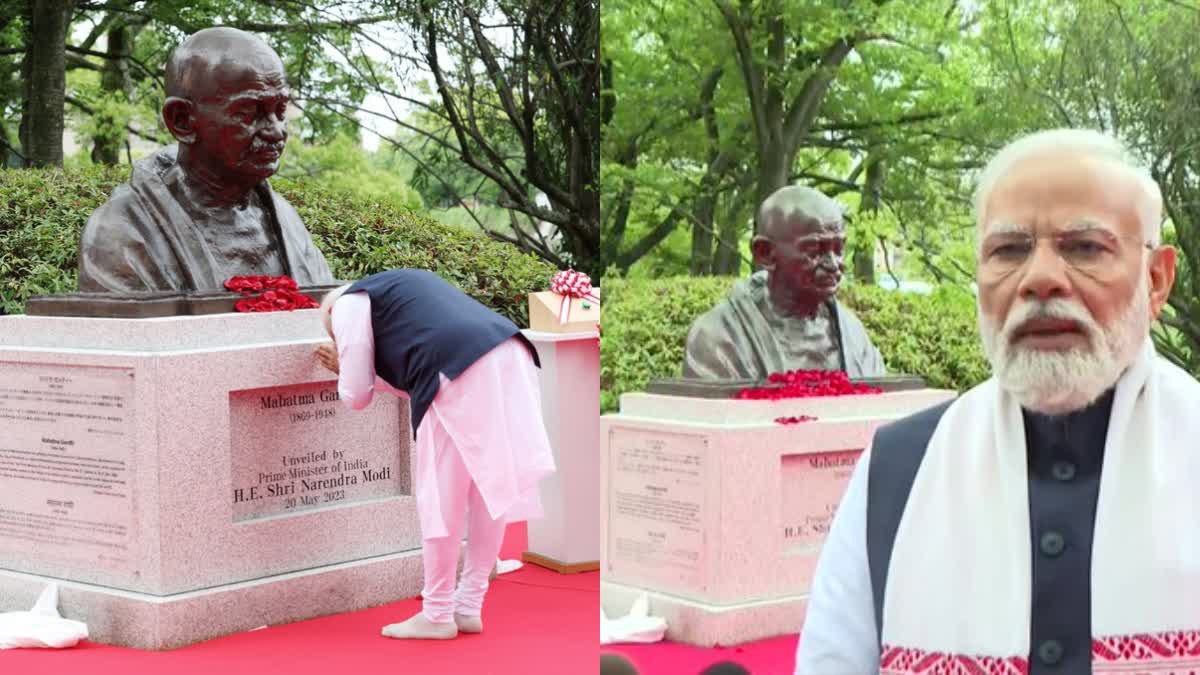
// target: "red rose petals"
[[279, 294], [794, 419], [805, 384]]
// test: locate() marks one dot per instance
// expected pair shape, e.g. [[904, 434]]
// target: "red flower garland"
[[279, 294], [794, 419], [805, 384]]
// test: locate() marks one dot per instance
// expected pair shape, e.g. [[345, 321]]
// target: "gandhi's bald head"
[[800, 246], [795, 205], [203, 65]]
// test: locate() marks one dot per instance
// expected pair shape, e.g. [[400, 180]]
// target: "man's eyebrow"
[[1005, 227], [1088, 224], [821, 236], [256, 97]]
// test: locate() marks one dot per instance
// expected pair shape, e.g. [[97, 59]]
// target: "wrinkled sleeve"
[[839, 636], [351, 319]]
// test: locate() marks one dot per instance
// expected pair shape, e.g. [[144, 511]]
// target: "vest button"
[[1063, 471], [1050, 652], [1052, 543]]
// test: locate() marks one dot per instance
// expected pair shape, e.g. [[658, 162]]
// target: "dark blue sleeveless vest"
[[425, 327], [1065, 455]]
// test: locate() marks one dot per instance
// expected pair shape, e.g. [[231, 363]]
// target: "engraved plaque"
[[298, 448], [813, 485], [66, 473], [657, 506]]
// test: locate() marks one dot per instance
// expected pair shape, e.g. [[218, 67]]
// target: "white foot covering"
[[468, 624], [420, 628]]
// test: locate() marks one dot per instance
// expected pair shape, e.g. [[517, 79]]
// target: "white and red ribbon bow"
[[571, 285]]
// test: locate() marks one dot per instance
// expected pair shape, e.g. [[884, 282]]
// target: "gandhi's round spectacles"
[[1093, 252]]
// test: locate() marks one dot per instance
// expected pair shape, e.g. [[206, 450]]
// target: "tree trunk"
[[774, 167], [5, 143], [45, 84], [115, 81], [872, 197], [702, 236], [728, 258]]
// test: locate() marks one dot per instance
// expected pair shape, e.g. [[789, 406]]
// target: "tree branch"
[[88, 52], [750, 72], [128, 127], [807, 103]]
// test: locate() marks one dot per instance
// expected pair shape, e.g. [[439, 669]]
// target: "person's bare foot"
[[420, 628], [468, 624]]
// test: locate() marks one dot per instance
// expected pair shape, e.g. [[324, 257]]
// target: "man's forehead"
[[231, 77], [1064, 188], [807, 226]]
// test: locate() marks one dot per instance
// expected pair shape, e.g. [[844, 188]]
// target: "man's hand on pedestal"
[[327, 355]]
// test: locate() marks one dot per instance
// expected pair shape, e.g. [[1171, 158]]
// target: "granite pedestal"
[[188, 477], [719, 513]]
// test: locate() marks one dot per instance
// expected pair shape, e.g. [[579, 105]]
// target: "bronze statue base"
[[145, 305]]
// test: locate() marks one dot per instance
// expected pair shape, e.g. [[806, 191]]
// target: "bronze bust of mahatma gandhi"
[[786, 316], [196, 214]]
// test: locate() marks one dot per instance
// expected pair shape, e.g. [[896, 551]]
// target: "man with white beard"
[[1047, 520]]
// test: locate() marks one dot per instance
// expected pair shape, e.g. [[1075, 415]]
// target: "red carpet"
[[776, 656], [535, 622]]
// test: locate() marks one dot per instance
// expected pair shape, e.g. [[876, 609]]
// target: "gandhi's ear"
[[179, 114], [763, 250]]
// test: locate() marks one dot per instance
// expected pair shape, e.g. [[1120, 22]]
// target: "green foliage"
[[42, 213], [646, 324], [343, 165]]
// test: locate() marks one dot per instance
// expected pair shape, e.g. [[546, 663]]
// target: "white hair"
[[1074, 143], [327, 306]]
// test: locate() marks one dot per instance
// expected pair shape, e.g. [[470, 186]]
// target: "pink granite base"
[[142, 621], [190, 477]]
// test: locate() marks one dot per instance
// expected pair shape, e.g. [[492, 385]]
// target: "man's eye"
[[1083, 248], [1010, 251]]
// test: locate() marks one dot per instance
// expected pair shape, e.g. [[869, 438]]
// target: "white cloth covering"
[[42, 626], [636, 627]]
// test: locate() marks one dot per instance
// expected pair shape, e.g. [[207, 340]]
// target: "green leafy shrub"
[[646, 324], [42, 213]]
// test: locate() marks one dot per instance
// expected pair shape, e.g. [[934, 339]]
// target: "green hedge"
[[646, 324], [42, 213]]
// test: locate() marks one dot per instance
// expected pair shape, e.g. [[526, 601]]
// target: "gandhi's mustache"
[[257, 148]]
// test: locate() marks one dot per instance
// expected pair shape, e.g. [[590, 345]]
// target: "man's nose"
[[1045, 274], [274, 129], [831, 260]]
